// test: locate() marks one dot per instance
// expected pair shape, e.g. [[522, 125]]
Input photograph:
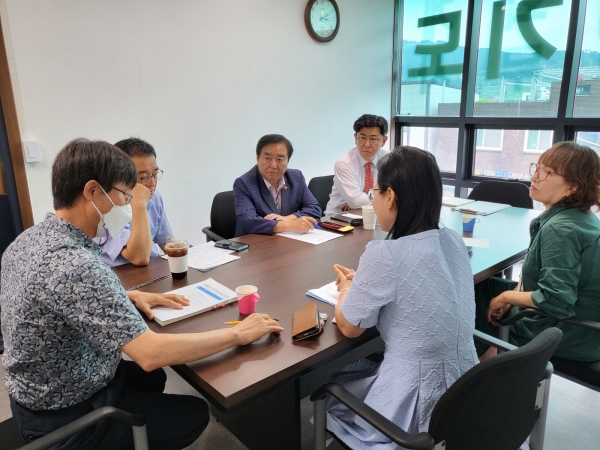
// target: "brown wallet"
[[306, 322]]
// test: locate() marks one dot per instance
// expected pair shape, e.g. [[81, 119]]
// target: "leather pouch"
[[306, 322]]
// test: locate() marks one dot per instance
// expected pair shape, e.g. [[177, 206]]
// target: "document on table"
[[328, 293], [481, 208], [478, 243], [315, 237], [206, 256], [351, 216], [203, 296], [455, 201]]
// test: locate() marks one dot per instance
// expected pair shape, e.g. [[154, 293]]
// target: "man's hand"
[[344, 277], [303, 224], [345, 207], [254, 327], [146, 300], [497, 308], [141, 195]]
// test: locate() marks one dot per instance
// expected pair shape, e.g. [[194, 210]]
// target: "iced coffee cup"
[[177, 251]]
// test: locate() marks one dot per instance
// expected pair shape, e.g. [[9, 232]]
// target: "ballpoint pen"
[[235, 322]]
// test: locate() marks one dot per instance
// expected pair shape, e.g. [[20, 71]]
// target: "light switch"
[[32, 151]]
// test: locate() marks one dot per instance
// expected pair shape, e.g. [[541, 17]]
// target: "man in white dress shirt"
[[355, 173]]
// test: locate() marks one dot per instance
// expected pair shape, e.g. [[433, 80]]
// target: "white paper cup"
[[246, 289], [369, 217], [468, 217]]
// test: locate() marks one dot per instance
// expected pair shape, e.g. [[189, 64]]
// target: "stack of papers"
[[481, 208], [315, 237], [455, 201], [328, 293], [203, 296], [206, 256]]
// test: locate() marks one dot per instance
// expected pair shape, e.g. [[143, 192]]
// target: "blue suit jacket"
[[253, 201]]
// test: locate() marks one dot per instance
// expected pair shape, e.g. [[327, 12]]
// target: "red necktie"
[[368, 177]]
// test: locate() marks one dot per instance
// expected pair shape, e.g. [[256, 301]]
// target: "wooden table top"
[[284, 269]]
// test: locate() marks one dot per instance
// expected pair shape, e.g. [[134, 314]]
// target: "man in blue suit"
[[270, 198]]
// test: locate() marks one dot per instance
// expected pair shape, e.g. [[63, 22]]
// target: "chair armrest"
[[63, 433], [529, 312], [420, 441], [494, 342], [211, 235]]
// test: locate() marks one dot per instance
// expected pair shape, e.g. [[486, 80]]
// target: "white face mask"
[[114, 220]]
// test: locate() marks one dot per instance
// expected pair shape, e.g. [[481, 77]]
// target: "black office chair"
[[510, 193], [9, 435], [321, 188], [222, 218], [494, 406], [584, 373]]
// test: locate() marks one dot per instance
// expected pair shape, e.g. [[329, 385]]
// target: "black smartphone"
[[231, 245], [355, 222]]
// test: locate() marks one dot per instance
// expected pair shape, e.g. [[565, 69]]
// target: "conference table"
[[255, 390]]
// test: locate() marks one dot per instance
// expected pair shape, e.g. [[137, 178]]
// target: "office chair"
[[496, 405], [510, 193], [321, 188], [584, 373], [10, 438], [222, 218]]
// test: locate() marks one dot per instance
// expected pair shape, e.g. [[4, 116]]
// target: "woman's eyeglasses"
[[542, 173]]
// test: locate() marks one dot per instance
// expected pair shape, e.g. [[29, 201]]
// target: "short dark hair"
[[414, 176], [269, 139], [370, 120], [580, 165], [82, 160], [136, 147]]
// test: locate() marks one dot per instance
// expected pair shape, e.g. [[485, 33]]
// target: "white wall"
[[201, 81]]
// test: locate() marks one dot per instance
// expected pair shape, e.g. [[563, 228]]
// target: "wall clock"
[[322, 19]]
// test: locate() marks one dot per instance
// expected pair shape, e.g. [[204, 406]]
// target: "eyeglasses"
[[146, 179], [542, 173], [128, 197], [373, 139]]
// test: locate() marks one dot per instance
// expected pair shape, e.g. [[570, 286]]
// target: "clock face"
[[323, 19]]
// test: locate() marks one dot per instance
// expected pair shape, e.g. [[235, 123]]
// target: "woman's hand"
[[144, 301], [344, 277], [497, 308]]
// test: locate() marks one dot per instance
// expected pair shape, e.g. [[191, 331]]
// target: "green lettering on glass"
[[530, 34], [436, 51], [496, 33]]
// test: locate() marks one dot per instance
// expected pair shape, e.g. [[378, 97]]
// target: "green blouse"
[[562, 271]]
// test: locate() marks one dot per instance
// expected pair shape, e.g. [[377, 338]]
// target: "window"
[[537, 141], [489, 139], [525, 76]]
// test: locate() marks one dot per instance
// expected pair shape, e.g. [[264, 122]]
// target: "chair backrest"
[[222, 215], [510, 193], [492, 406], [321, 188]]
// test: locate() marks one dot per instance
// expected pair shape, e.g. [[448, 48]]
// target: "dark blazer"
[[253, 201]]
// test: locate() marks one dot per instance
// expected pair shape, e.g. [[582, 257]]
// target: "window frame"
[[564, 125]]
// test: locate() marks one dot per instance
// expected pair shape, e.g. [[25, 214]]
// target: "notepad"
[[455, 201], [481, 208], [206, 256], [203, 296], [328, 293], [315, 237]]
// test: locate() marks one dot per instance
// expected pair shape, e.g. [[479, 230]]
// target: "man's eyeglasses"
[[128, 197], [542, 173], [146, 179], [373, 139]]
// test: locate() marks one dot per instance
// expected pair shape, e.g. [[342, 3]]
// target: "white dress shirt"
[[349, 181], [276, 193]]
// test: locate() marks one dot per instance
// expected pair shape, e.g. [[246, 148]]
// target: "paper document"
[[206, 256], [203, 296], [479, 243], [481, 208], [455, 201], [312, 237], [328, 293], [351, 216]]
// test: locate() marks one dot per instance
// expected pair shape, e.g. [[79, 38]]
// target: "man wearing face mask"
[[147, 228], [66, 318]]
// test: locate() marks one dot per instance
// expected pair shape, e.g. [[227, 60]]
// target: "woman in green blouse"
[[561, 272]]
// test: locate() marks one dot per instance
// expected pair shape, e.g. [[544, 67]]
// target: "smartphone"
[[351, 220], [231, 245]]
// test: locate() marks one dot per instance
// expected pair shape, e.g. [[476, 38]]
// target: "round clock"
[[322, 19]]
